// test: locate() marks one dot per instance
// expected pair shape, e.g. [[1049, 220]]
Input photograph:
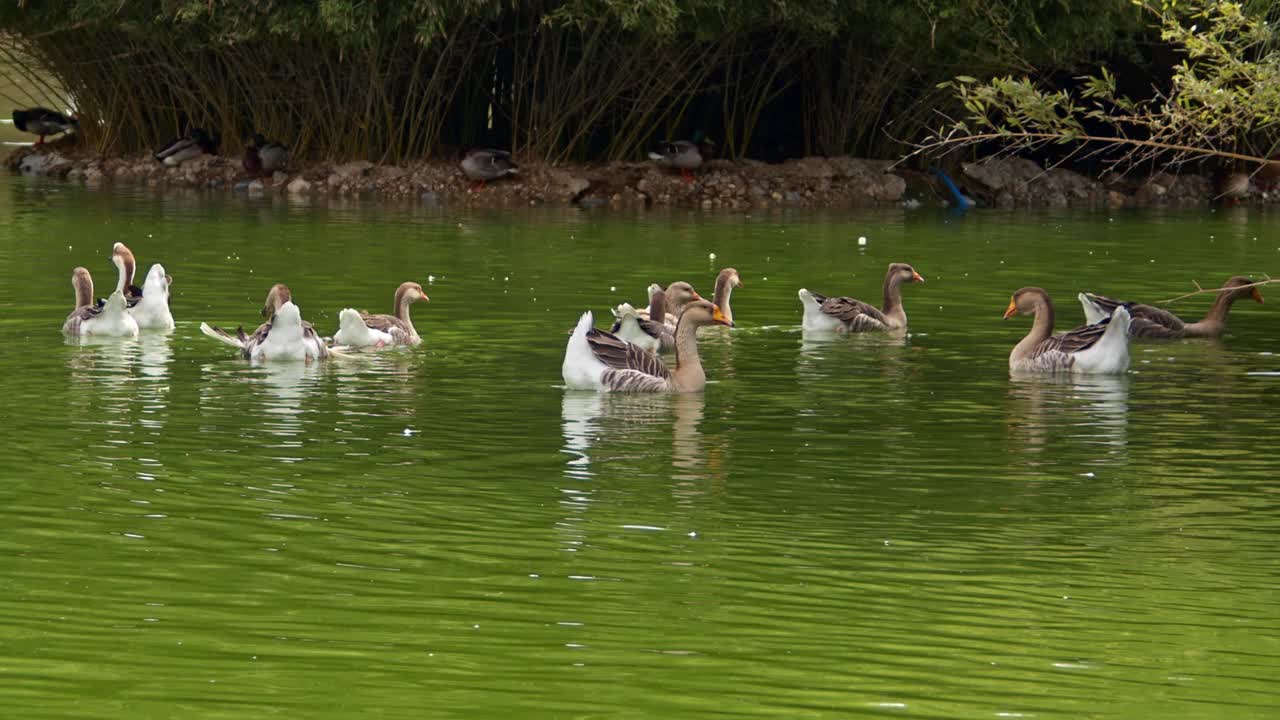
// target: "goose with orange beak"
[[598, 360], [847, 315], [1154, 322], [1102, 348]]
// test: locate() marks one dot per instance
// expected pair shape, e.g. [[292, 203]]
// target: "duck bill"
[[916, 277], [1257, 296], [696, 296], [1011, 310], [718, 317]]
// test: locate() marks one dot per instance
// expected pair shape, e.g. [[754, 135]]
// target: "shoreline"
[[810, 182]]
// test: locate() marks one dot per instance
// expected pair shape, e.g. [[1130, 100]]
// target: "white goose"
[[109, 318], [152, 310], [284, 337], [357, 329], [597, 360], [1102, 348]]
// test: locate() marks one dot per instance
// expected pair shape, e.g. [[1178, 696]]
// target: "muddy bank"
[[807, 182]]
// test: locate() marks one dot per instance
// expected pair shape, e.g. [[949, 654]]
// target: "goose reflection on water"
[[607, 427], [1095, 406]]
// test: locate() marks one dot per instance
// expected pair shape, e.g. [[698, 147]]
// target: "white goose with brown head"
[[597, 360], [846, 315], [108, 318], [1101, 348], [357, 329], [284, 337]]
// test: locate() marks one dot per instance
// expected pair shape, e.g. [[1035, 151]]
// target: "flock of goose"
[[628, 357]]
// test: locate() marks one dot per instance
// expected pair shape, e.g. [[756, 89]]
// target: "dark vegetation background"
[[553, 80]]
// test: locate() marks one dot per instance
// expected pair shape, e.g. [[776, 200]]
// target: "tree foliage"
[[555, 79], [1222, 98]]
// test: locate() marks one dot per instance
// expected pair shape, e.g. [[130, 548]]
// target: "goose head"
[[1026, 301], [680, 294], [1239, 290], [730, 275], [277, 296], [410, 292], [903, 273], [703, 312]]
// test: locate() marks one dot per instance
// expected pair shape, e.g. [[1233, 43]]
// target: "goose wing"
[[1073, 341], [390, 324], [619, 354], [856, 314], [79, 316]]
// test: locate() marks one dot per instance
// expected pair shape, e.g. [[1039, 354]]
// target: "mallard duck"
[[194, 144], [597, 360], [107, 318], [726, 281], [264, 157], [846, 315], [1100, 348], [43, 121], [684, 155], [481, 166], [677, 296], [1154, 322], [284, 337], [151, 311], [358, 329]]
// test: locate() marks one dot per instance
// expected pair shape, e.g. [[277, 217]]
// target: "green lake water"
[[867, 527]]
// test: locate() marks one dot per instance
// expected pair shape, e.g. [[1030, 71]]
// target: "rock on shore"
[[807, 182]]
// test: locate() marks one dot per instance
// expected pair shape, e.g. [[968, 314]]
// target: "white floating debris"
[[407, 432], [712, 256], [862, 240], [431, 279], [613, 288], [693, 533]]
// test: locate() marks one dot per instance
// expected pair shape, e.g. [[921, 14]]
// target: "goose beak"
[[1257, 296], [168, 279], [696, 296], [1011, 310], [916, 277], [737, 282], [718, 317]]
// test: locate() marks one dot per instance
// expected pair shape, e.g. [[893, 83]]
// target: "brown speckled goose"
[[1155, 322], [358, 329], [845, 315], [1099, 348], [597, 360]]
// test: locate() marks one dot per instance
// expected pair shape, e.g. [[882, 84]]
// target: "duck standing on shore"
[[264, 157], [189, 147], [43, 121], [481, 166], [684, 155]]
